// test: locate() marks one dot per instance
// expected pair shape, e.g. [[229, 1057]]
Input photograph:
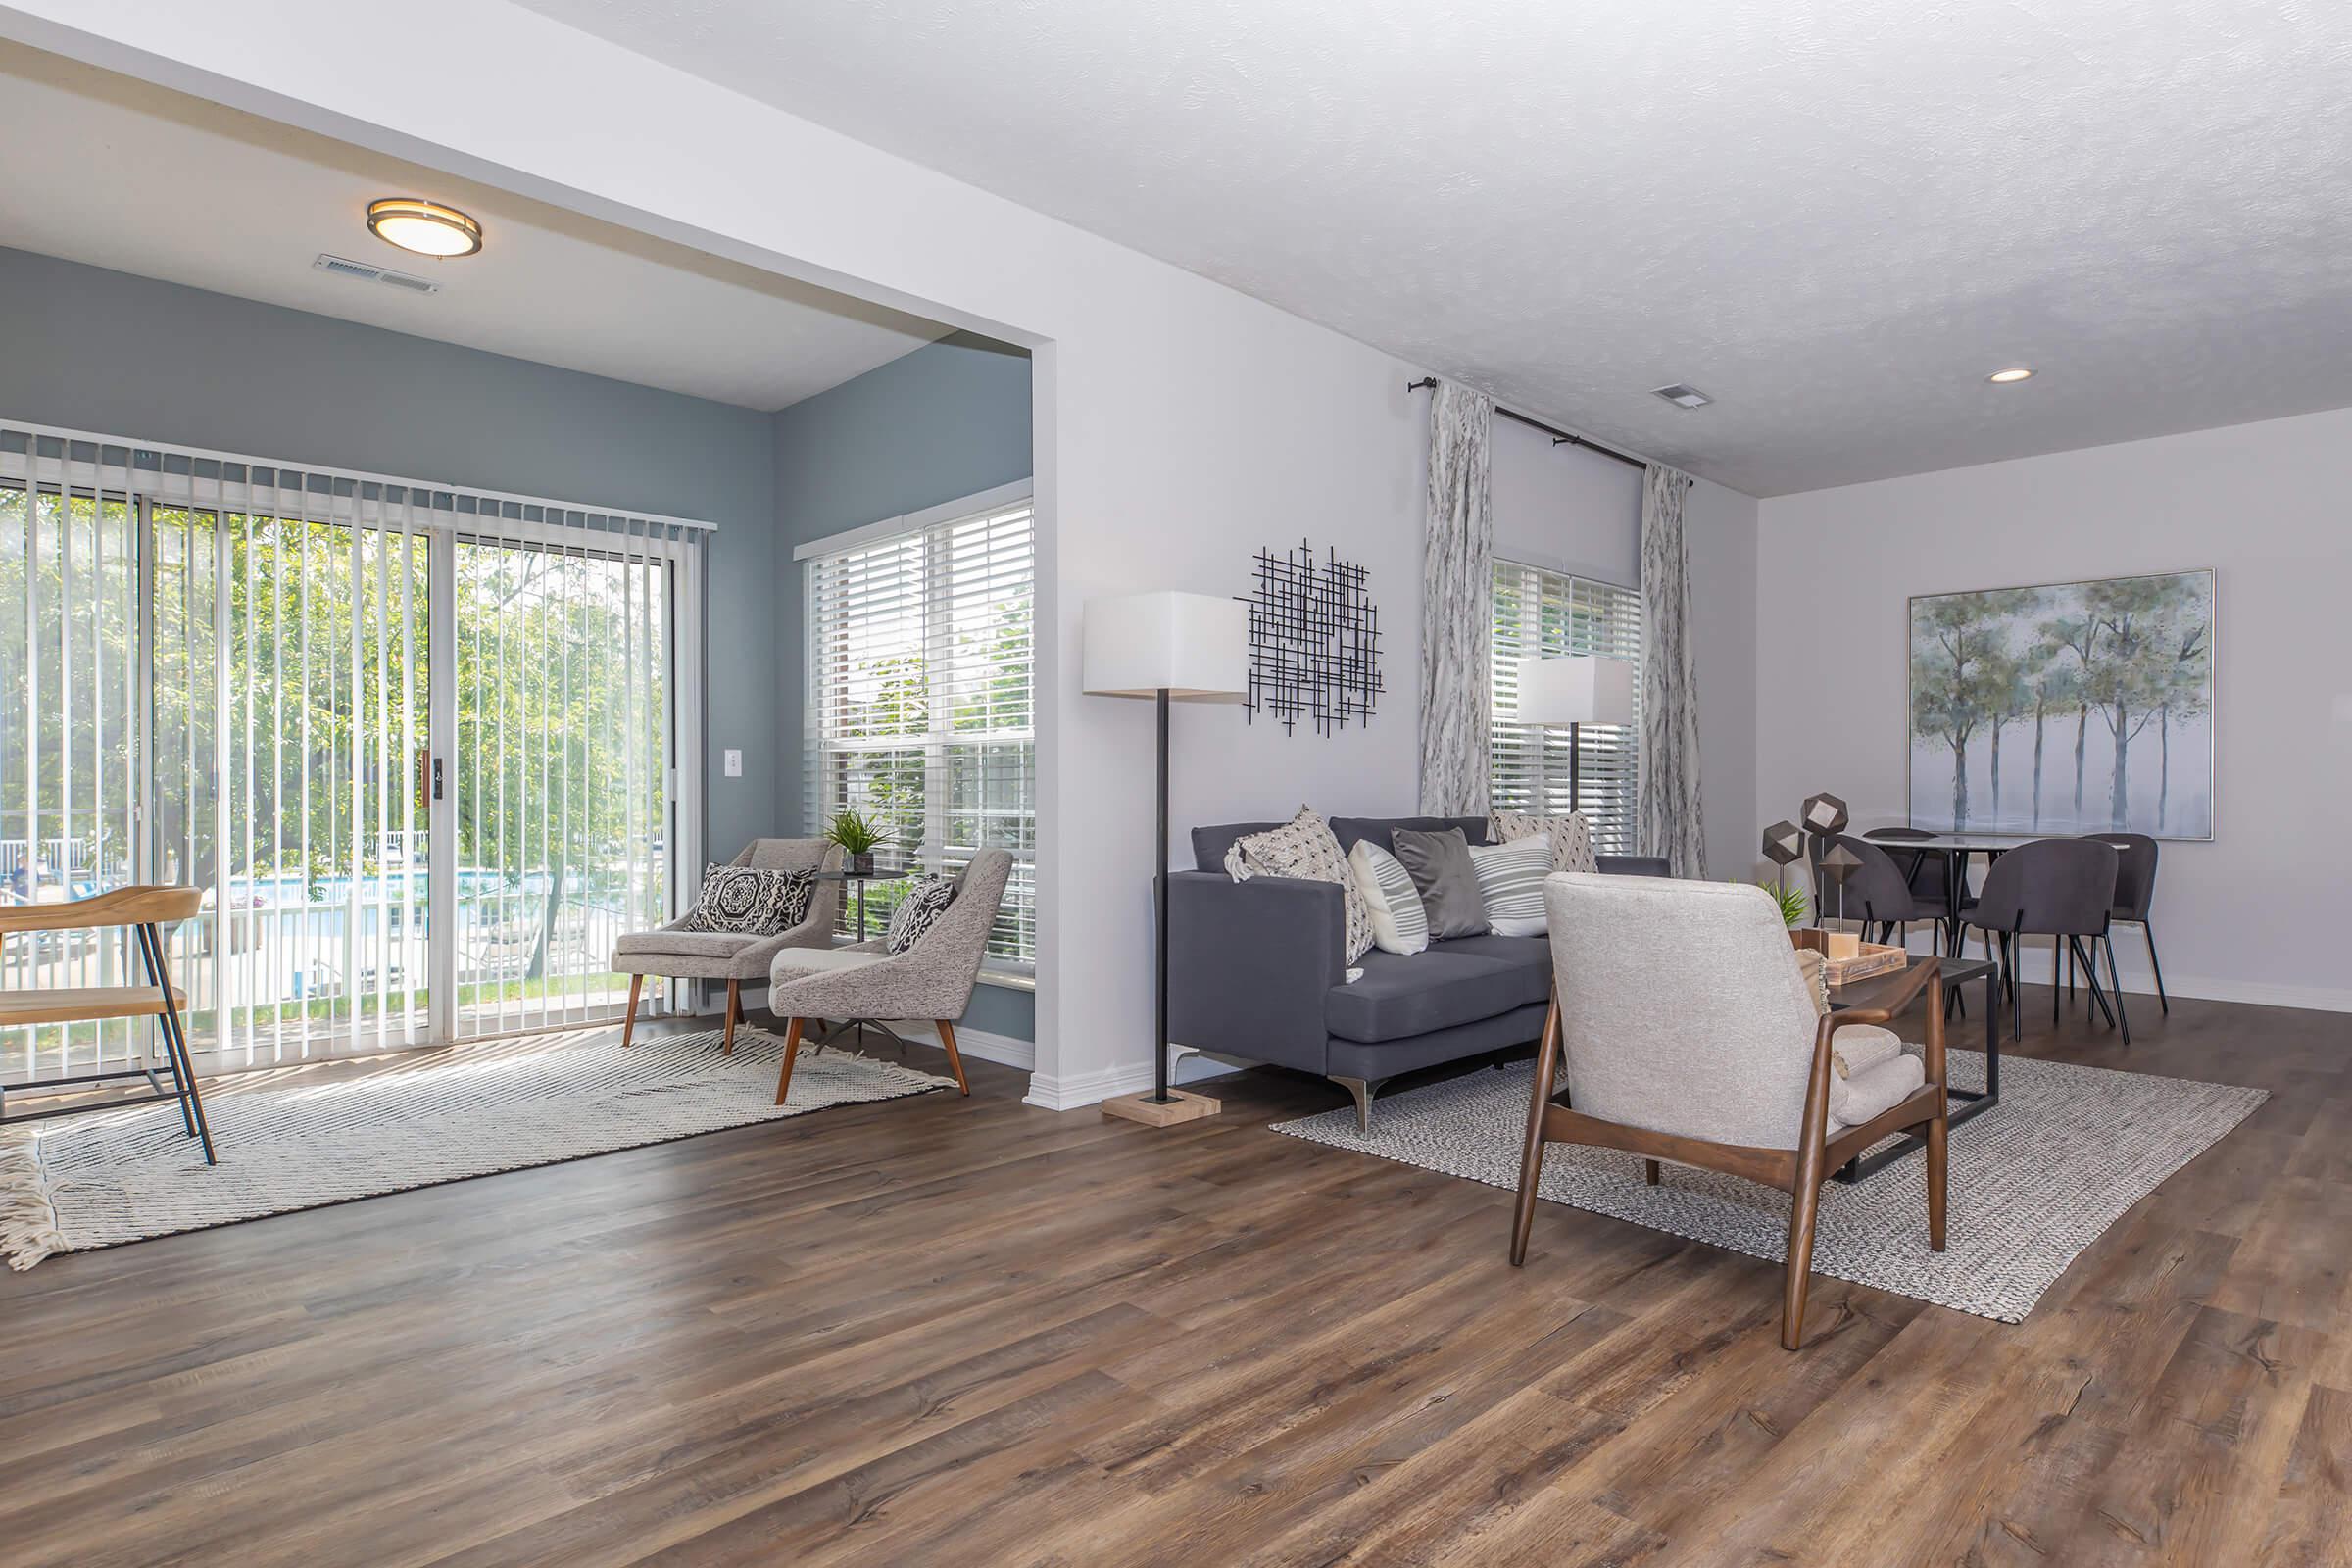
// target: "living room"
[[1398, 353]]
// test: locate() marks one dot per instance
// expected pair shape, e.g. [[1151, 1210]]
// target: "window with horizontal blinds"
[[920, 705], [1550, 613]]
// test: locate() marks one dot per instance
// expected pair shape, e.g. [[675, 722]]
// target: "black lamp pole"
[[1576, 795], [1159, 899]]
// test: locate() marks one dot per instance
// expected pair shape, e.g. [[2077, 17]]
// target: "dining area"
[[2005, 891]]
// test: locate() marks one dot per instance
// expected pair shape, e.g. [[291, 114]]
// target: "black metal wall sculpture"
[[1314, 641]]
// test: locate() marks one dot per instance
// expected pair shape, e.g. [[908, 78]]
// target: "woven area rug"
[[2033, 1182], [84, 1181]]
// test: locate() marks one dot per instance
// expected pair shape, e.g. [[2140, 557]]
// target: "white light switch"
[[734, 764]]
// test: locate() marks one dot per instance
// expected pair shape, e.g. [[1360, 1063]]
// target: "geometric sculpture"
[[1824, 815], [1838, 864], [1314, 641], [1784, 842]]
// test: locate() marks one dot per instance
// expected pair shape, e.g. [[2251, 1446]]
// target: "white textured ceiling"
[[1834, 215], [96, 167]]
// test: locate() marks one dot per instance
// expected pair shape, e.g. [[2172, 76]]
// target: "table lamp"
[[1575, 692], [1169, 646]]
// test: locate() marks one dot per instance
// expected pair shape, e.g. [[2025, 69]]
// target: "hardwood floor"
[[967, 1331]]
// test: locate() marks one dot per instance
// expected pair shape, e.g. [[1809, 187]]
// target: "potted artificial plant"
[[859, 838]]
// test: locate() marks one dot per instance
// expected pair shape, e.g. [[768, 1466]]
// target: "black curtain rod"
[[1559, 437]]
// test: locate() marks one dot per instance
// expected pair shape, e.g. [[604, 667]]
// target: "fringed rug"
[[2033, 1182], [304, 1140]]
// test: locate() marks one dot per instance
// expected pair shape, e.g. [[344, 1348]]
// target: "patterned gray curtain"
[[1457, 590], [1671, 824]]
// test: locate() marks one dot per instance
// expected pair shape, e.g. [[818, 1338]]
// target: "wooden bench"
[[144, 911]]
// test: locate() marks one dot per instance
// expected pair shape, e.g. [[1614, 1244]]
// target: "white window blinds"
[[1549, 614], [920, 708]]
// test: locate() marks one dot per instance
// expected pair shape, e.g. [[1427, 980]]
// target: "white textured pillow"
[[1510, 883], [1571, 838], [1398, 922], [1305, 847]]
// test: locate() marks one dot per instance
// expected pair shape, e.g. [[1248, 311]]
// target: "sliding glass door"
[[562, 762], [420, 749]]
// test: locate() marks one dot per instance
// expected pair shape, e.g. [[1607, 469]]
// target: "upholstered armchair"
[[1688, 1033], [671, 953], [932, 979]]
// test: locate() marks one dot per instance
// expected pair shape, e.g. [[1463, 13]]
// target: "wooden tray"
[[1875, 958]]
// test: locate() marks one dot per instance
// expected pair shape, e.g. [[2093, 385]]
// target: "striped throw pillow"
[[1510, 883], [1398, 922]]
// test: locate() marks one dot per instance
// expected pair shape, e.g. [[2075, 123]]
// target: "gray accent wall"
[[946, 421], [90, 349]]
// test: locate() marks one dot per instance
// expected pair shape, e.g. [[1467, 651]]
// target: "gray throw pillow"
[[1441, 868]]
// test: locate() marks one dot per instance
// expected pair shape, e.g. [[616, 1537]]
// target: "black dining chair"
[[1927, 871], [1880, 893], [2136, 894], [2062, 889]]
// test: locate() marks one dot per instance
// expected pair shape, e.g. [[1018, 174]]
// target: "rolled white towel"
[[1862, 1047]]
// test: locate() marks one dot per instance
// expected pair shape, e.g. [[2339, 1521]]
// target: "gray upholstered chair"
[[933, 979], [1688, 1034], [670, 954]]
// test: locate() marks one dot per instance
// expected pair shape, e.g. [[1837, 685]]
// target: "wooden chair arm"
[[132, 906]]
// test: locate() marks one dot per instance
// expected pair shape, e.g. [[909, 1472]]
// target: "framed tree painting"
[[2073, 708]]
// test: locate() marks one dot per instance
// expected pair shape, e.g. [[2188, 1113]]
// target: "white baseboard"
[[1081, 1089], [1003, 1050]]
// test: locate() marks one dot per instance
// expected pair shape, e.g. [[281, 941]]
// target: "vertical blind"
[[425, 751], [920, 704], [1550, 613]]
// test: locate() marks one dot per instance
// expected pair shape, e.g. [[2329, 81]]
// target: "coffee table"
[[1965, 1104]]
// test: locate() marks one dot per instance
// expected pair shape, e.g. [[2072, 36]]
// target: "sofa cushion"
[[1398, 922], [1398, 996], [681, 943], [1381, 830], [1442, 872], [1209, 844], [1570, 837], [1528, 958]]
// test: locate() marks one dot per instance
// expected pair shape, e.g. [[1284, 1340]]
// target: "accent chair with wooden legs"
[[671, 953], [1689, 1035], [933, 979]]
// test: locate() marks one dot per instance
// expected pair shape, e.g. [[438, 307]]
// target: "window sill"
[[1008, 979]]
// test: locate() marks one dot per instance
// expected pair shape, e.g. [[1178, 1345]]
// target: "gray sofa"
[[1256, 969]]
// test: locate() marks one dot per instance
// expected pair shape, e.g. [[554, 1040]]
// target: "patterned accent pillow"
[[1510, 883], [1571, 839], [748, 900], [919, 912], [1398, 922], [1305, 847]]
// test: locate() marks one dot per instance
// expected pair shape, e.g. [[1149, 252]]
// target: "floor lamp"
[[1575, 692], [1169, 646]]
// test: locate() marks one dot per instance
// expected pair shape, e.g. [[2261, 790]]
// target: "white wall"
[[2258, 914], [1180, 426]]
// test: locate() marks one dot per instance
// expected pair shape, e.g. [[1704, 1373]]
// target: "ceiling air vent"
[[1680, 396], [343, 266]]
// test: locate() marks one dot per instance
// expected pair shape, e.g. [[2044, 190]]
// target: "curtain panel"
[[1457, 564], [1671, 820]]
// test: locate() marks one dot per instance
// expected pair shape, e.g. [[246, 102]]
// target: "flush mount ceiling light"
[[427, 229], [1680, 396], [2015, 373]]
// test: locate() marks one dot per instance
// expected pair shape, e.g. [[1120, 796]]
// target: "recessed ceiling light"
[[2015, 373], [1680, 396], [427, 229]]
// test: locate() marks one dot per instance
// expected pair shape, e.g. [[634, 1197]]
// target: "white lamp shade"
[[1576, 691], [1195, 646]]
